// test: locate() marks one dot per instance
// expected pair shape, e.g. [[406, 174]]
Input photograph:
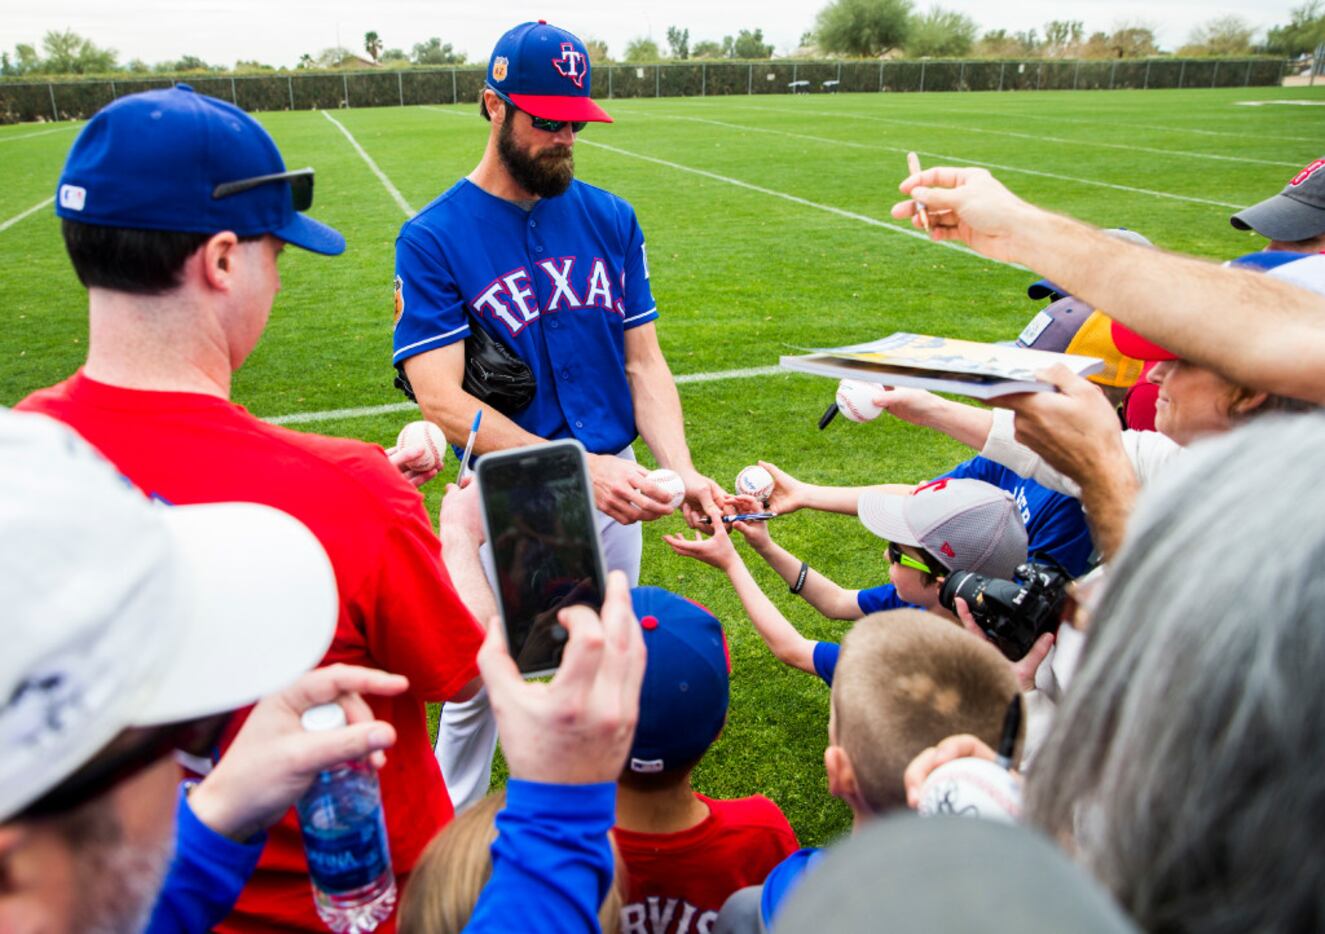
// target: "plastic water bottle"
[[349, 860]]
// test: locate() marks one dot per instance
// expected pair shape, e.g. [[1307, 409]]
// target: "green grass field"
[[768, 229]]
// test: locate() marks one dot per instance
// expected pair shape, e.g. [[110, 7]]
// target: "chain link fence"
[[72, 100]]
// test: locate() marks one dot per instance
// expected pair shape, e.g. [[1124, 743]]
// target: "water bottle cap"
[[323, 717]]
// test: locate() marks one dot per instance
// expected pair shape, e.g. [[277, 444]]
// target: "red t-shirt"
[[398, 609], [677, 882]]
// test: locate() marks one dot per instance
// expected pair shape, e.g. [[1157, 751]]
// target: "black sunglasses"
[[300, 180], [548, 126], [133, 750]]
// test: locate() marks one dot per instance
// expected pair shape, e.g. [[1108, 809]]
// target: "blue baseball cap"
[[163, 160], [683, 700], [544, 71]]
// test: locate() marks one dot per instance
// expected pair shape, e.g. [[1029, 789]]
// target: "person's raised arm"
[[661, 424], [826, 596], [790, 494], [565, 742], [782, 638], [1255, 330]]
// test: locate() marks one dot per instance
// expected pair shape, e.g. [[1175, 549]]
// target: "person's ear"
[[498, 110], [841, 776], [218, 257], [11, 838], [1245, 402]]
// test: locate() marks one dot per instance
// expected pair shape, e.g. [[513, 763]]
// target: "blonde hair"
[[450, 874], [905, 681]]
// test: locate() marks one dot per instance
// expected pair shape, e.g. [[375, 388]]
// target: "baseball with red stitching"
[[429, 438], [855, 400]]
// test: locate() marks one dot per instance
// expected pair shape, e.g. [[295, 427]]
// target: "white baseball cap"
[[968, 525], [119, 612]]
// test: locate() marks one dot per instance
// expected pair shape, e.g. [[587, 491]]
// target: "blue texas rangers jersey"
[[559, 285]]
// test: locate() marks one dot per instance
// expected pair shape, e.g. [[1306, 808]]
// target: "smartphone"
[[538, 514]]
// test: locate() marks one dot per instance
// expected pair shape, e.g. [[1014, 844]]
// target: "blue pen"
[[469, 446], [745, 517]]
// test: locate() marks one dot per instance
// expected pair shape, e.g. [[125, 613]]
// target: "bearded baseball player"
[[554, 270]]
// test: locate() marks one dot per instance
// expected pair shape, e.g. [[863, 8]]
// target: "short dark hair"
[[657, 781], [144, 262], [124, 259]]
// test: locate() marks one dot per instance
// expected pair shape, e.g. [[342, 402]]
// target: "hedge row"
[[71, 100]]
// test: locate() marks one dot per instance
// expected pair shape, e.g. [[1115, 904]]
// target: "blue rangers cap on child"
[[176, 160], [683, 700], [544, 71]]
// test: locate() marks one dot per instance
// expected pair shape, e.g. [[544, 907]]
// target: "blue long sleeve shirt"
[[551, 862], [205, 876]]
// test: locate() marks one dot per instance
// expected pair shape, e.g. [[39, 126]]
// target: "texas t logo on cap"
[[570, 64], [545, 71]]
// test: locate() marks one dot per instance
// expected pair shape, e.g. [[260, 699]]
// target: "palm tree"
[[372, 45]]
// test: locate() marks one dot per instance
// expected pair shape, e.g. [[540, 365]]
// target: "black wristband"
[[800, 578]]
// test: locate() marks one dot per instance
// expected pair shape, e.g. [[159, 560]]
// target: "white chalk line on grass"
[[795, 199], [392, 190], [304, 418], [1095, 144], [40, 133], [954, 160], [14, 139], [1021, 115], [28, 213]]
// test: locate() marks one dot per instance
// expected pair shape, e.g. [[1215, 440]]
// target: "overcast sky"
[[277, 32]]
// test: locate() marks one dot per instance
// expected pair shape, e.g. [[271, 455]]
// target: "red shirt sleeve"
[[418, 625]]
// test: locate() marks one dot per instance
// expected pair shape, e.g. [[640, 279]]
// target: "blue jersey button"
[[578, 423]]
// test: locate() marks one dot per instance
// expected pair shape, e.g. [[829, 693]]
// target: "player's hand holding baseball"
[[621, 489], [715, 550], [577, 728], [273, 759], [969, 205]]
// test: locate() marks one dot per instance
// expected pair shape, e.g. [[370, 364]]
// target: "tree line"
[[851, 28]]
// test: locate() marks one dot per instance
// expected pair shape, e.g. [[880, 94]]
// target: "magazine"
[[967, 368]]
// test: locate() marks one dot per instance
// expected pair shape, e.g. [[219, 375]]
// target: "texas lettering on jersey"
[[511, 299], [665, 916]]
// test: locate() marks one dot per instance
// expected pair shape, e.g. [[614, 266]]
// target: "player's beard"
[[545, 175]]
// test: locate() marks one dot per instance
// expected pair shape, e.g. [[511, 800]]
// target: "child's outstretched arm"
[[826, 596], [788, 645]]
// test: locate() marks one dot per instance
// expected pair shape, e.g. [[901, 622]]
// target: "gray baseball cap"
[[1296, 213], [969, 525], [949, 874]]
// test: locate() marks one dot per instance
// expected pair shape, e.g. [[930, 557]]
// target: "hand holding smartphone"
[[539, 517]]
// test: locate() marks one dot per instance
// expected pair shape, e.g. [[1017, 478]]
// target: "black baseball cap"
[[1296, 213]]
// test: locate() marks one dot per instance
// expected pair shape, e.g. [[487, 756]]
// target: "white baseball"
[[429, 438], [855, 400], [754, 481], [972, 788], [670, 481]]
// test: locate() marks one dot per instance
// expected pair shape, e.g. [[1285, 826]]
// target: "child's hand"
[[717, 550], [756, 533], [789, 494]]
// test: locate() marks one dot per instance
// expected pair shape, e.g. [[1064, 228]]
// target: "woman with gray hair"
[[1184, 766]]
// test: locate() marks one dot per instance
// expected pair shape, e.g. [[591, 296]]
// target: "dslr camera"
[[1012, 613]]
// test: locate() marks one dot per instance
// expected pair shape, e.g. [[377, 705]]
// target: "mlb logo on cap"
[[545, 72]]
